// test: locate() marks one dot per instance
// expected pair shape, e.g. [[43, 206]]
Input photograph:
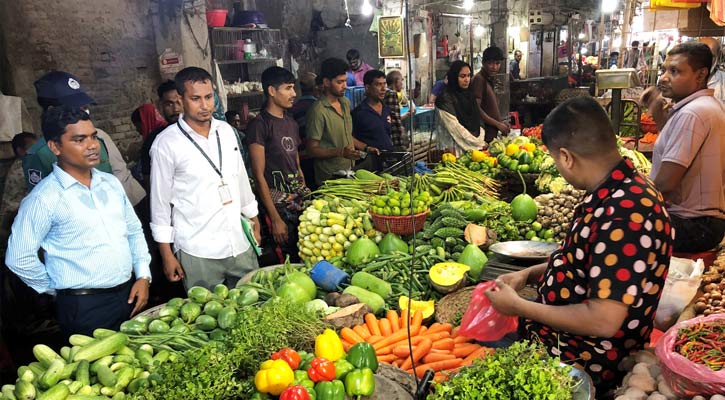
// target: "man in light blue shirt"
[[92, 240]]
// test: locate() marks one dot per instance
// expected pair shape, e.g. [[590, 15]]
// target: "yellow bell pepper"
[[449, 157], [329, 346], [511, 149], [273, 377], [478, 156], [530, 147]]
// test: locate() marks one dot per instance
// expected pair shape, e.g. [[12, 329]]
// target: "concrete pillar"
[[181, 27]]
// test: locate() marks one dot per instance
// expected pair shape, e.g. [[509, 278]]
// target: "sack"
[[685, 377], [481, 321], [683, 280]]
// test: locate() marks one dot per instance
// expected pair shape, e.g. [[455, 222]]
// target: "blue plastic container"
[[328, 276]]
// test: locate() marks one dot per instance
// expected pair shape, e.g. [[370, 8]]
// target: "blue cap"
[[61, 88]]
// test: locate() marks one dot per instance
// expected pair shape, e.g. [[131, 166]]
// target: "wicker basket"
[[401, 225], [648, 127]]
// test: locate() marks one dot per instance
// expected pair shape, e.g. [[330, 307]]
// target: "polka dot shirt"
[[618, 248]]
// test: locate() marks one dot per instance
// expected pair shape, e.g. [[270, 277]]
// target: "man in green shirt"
[[329, 125]]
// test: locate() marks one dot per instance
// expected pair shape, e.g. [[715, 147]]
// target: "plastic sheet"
[[481, 321]]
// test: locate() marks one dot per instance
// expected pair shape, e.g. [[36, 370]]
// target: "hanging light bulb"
[[468, 4], [367, 9], [478, 30], [467, 21], [582, 35]]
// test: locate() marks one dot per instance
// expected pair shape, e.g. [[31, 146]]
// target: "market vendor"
[[598, 293], [687, 163], [371, 119], [358, 67], [96, 260], [485, 96], [458, 117]]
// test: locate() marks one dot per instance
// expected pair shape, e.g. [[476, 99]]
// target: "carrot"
[[423, 329], [437, 335], [372, 324], [433, 357], [388, 358], [350, 335], [461, 339], [464, 350], [392, 316], [374, 339], [444, 344], [436, 366], [396, 337], [346, 345], [438, 327], [415, 340], [402, 350], [362, 330], [397, 363], [385, 328], [440, 377], [404, 319], [479, 353], [421, 350], [417, 320], [454, 331]]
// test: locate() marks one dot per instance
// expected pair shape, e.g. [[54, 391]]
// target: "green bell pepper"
[[260, 396], [330, 390], [342, 367], [362, 355], [305, 359], [360, 382], [302, 379]]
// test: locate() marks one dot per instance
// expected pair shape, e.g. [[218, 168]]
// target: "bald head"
[[713, 44]]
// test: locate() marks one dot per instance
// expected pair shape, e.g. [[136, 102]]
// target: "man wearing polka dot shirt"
[[598, 293]]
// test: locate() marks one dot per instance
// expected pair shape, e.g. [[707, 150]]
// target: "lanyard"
[[219, 146]]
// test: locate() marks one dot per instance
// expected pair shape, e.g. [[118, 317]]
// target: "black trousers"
[[695, 235], [82, 314]]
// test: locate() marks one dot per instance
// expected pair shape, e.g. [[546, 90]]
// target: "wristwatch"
[[148, 278]]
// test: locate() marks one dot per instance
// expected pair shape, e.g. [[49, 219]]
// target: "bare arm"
[[487, 119], [315, 151], [668, 178]]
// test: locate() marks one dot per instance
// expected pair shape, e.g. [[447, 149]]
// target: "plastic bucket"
[[328, 276], [216, 18]]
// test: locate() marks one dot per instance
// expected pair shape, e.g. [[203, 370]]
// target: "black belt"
[[85, 292]]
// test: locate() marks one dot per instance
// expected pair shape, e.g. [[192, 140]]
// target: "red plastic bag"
[[481, 321], [685, 377]]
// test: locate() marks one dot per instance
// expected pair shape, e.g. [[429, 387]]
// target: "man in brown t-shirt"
[[273, 140], [486, 97]]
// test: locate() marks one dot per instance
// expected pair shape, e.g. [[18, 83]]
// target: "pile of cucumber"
[[94, 368]]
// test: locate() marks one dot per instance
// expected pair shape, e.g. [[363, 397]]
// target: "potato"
[[643, 382], [699, 398], [645, 356], [717, 397], [657, 396], [641, 368], [665, 390], [635, 394]]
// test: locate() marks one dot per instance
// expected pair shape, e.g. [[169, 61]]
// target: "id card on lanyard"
[[225, 195]]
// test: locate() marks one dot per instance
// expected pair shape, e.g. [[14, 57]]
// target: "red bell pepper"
[[321, 370], [290, 356], [297, 392]]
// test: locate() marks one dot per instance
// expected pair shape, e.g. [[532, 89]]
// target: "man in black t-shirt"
[[273, 141]]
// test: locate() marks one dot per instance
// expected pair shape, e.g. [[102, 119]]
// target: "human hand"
[[373, 150], [504, 128], [257, 231], [279, 231], [517, 280], [350, 153], [172, 269], [504, 298], [139, 294]]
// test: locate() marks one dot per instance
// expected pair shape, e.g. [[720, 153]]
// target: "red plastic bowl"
[[216, 18]]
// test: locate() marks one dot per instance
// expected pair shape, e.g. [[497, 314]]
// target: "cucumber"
[[106, 377], [85, 397], [68, 370], [57, 392], [51, 376], [365, 296], [206, 323], [73, 351], [80, 340], [86, 390], [100, 333], [137, 384], [213, 308], [102, 347], [37, 368], [125, 376], [372, 283], [83, 374], [124, 358], [107, 360], [26, 374], [147, 348], [45, 355], [117, 366], [158, 326], [8, 392], [126, 351], [108, 391], [226, 318], [144, 357], [119, 396], [75, 386], [25, 390], [162, 356], [65, 353]]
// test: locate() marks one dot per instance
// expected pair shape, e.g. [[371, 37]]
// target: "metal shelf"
[[252, 61], [237, 29]]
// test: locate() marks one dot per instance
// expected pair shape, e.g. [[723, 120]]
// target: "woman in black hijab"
[[457, 100]]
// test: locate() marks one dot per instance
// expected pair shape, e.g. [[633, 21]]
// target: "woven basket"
[[648, 127], [153, 312], [401, 225]]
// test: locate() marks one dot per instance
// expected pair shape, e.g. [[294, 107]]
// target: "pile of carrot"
[[437, 347], [649, 138]]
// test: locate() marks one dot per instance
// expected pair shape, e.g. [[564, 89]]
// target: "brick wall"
[[108, 44]]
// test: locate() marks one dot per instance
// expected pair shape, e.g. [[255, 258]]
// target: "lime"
[[536, 239], [548, 234], [380, 201], [387, 210], [395, 211], [405, 211], [530, 235], [536, 226]]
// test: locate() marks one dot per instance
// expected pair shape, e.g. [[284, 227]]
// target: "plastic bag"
[[481, 321], [683, 280], [685, 377]]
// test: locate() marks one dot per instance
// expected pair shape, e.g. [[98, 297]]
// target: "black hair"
[[307, 83], [352, 54], [635, 43], [20, 139], [136, 116], [392, 75], [698, 55], [372, 75], [276, 77], [580, 125], [453, 72], [229, 115], [190, 74], [492, 53], [167, 86], [332, 68], [55, 120]]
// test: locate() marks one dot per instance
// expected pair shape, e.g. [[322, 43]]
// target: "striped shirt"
[[91, 237]]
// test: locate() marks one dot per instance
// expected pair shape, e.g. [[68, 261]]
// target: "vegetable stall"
[[357, 319]]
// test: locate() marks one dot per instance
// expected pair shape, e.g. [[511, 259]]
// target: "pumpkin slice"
[[448, 277], [425, 307]]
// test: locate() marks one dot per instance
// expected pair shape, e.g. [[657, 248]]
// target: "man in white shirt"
[[199, 192]]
